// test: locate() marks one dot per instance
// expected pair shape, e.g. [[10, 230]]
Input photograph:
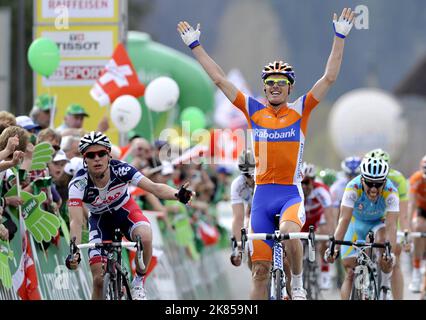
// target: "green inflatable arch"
[[152, 60]]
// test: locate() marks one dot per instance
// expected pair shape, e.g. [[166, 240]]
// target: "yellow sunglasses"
[[280, 82]]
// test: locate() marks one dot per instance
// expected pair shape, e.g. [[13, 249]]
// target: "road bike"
[[116, 277]]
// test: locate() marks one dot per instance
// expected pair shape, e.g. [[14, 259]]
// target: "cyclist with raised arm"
[[241, 197], [319, 213], [279, 129], [102, 186], [417, 212], [401, 184], [370, 203]]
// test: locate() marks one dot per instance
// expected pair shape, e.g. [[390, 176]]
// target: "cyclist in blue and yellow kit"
[[279, 131], [370, 203]]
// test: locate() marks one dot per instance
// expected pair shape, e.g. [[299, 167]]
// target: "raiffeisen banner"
[[86, 33]]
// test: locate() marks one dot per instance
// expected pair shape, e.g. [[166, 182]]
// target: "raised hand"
[[12, 143], [343, 26], [189, 36], [18, 156]]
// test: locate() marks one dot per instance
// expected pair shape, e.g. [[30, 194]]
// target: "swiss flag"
[[25, 280], [226, 145], [118, 78], [207, 233]]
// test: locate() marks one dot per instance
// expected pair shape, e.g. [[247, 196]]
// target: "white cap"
[[26, 123], [60, 156], [73, 166]]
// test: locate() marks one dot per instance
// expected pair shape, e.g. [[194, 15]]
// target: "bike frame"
[[278, 251], [277, 258], [113, 265], [366, 264]]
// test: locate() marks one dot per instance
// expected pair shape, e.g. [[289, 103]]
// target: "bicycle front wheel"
[[109, 290], [276, 285], [125, 290], [356, 293]]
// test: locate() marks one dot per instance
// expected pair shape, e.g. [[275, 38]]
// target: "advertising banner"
[[85, 48], [77, 11]]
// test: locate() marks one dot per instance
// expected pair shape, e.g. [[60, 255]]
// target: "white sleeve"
[[235, 194], [137, 177], [324, 197], [349, 198], [76, 189], [392, 202]]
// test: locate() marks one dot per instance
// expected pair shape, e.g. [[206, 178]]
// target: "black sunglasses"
[[92, 155], [56, 147], [374, 184]]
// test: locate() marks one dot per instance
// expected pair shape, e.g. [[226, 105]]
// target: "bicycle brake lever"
[[139, 253], [243, 238], [311, 244]]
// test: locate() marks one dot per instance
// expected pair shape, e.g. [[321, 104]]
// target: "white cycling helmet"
[[350, 165], [374, 169], [246, 162], [308, 170], [93, 138]]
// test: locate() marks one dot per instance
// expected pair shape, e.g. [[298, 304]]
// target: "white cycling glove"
[[191, 37], [342, 27]]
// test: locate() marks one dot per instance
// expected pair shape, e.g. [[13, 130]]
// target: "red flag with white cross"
[[118, 78]]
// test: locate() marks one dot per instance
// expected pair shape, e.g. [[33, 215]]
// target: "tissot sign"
[[83, 43]]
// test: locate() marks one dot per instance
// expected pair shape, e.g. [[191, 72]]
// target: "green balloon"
[[43, 56], [195, 117]]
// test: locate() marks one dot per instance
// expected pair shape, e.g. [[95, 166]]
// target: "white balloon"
[[161, 94], [366, 119], [126, 113]]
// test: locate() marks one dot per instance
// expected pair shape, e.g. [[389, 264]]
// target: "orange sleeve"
[[310, 103], [240, 103]]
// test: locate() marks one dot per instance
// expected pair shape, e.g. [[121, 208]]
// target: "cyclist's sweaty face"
[[97, 158], [276, 94]]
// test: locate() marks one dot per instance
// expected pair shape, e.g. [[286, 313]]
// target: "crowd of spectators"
[[20, 134]]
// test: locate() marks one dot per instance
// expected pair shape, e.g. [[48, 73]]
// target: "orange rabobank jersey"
[[279, 137]]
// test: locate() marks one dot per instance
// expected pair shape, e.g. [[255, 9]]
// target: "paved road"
[[239, 278]]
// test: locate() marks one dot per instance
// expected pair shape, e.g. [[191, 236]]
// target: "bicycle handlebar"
[[360, 244], [277, 236], [412, 235], [99, 245]]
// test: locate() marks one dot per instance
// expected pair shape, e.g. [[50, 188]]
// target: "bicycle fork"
[[278, 255]]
